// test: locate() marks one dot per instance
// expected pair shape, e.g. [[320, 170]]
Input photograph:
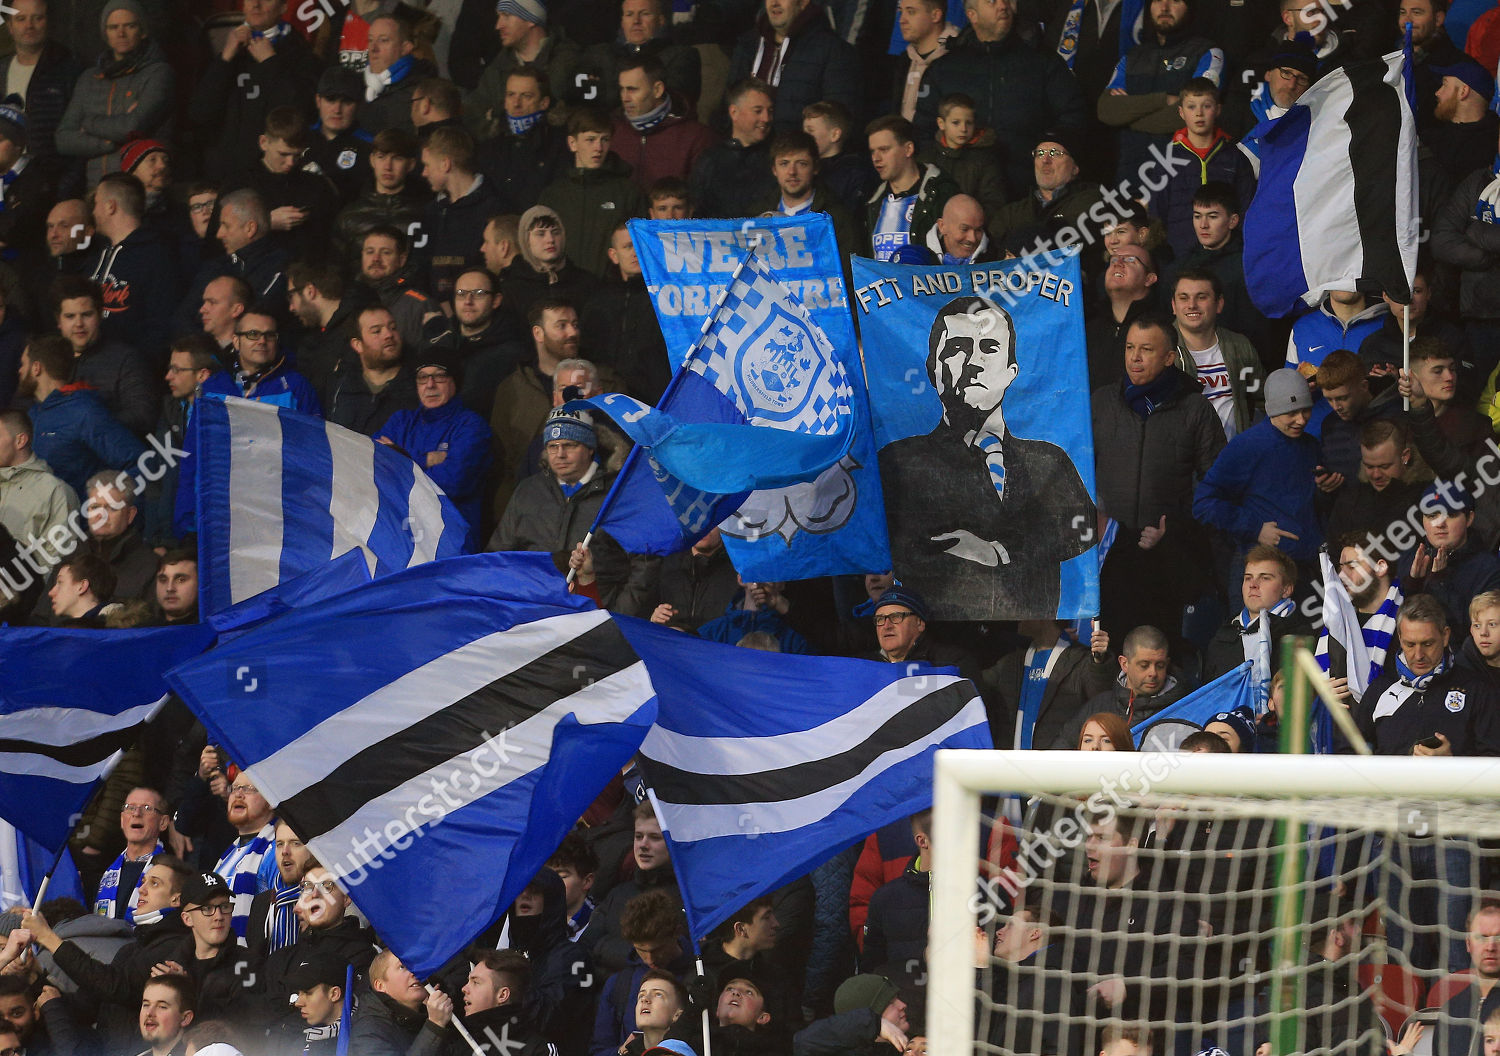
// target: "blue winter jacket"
[[465, 437], [75, 435], [1263, 475], [736, 623]]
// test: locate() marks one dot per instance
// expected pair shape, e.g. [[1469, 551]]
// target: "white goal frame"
[[962, 776]]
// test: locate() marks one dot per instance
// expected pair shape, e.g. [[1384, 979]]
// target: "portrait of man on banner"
[[982, 511]]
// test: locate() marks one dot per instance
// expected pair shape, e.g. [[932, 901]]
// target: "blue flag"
[[281, 493], [761, 402], [1165, 730], [976, 375], [71, 702], [799, 757], [836, 523], [344, 572], [450, 721]]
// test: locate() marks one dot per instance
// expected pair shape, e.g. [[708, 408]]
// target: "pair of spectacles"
[[1124, 260], [256, 335], [432, 375], [241, 790], [202, 207], [13, 1052], [1049, 152], [895, 619], [465, 295], [310, 887], [223, 909], [135, 808]]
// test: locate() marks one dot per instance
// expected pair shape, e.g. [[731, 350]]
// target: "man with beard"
[[383, 268], [274, 923], [321, 302], [479, 336], [365, 391], [1376, 593], [248, 866]]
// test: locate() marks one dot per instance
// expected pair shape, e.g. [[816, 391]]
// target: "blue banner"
[[1167, 729], [978, 388], [830, 526]]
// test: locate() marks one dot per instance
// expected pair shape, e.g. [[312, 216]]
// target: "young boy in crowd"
[[967, 153], [1205, 153]]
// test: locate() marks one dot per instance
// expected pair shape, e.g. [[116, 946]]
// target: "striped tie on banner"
[[282, 493]]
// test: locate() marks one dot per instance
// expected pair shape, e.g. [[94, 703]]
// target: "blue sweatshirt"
[[1263, 475], [464, 437]]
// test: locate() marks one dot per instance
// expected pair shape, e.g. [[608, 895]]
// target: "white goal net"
[[1174, 904]]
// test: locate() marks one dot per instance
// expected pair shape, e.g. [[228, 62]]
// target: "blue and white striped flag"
[[1336, 205], [282, 493], [445, 726], [799, 757]]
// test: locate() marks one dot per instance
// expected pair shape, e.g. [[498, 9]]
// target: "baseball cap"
[[337, 82], [198, 888], [316, 968]]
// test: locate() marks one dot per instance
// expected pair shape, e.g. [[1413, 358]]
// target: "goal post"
[[1287, 788]]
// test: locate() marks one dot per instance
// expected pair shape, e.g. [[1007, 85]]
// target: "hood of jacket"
[[34, 467], [528, 218], [547, 930]]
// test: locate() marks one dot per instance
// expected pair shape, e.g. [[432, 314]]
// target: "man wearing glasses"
[[260, 372], [901, 630], [327, 933], [483, 338], [144, 819], [1058, 199], [249, 865]]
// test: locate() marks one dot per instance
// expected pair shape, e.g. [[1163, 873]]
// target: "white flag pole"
[[1406, 348], [458, 1025]]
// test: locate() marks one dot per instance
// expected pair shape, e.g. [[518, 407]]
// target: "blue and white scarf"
[[1408, 684], [580, 920], [273, 34], [1489, 198], [1067, 41], [109, 886], [282, 926], [1376, 630], [647, 121], [242, 866], [377, 83], [1255, 639], [519, 126]]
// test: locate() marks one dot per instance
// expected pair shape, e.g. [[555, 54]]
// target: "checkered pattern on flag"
[[769, 357]]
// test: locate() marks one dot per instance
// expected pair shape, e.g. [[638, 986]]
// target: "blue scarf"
[[1421, 682], [109, 886], [241, 866], [646, 122], [273, 34], [1484, 209], [282, 925], [1034, 687], [580, 920], [1145, 399], [1376, 630], [1067, 42], [519, 126]]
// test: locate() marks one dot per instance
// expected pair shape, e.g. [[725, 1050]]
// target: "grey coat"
[[113, 101]]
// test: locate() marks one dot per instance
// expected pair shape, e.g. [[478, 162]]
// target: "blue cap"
[[1470, 73], [1446, 496], [1241, 721], [901, 596]]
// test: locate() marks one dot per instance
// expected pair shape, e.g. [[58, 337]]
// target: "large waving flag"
[[835, 523], [450, 721], [71, 702], [798, 757], [1167, 729], [760, 402], [1336, 206], [282, 493]]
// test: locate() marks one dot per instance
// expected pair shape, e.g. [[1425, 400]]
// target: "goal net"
[[1178, 903]]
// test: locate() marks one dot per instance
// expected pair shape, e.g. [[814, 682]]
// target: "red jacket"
[[669, 149]]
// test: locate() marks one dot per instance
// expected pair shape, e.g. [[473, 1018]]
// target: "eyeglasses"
[[1049, 152], [256, 335], [136, 808], [181, 370], [243, 790], [202, 207], [432, 375], [467, 295], [310, 887], [1124, 260], [13, 1052], [895, 619], [222, 909]]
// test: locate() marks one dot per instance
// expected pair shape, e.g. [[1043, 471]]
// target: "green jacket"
[[591, 202], [1246, 376], [933, 192]]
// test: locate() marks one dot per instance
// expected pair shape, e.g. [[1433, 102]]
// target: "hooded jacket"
[[77, 437], [811, 64], [408, 305], [33, 499], [118, 98], [1222, 162], [591, 202], [1131, 706], [463, 437], [1263, 475], [138, 278], [230, 104], [525, 281], [1318, 333]]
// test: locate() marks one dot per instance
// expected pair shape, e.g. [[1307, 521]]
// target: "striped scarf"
[[1408, 683], [241, 866], [1377, 630], [109, 886], [1255, 638], [282, 926]]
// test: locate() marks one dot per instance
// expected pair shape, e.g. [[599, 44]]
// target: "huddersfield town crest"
[[1454, 701], [780, 369]]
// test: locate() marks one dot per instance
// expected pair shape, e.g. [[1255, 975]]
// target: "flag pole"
[[697, 953], [1406, 348], [458, 1025], [697, 346]]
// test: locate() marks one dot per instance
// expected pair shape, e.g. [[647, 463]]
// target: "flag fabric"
[[451, 720], [1350, 646], [344, 572], [829, 526], [24, 864], [986, 449], [71, 703], [761, 402], [799, 757], [281, 493], [1336, 205], [1167, 729]]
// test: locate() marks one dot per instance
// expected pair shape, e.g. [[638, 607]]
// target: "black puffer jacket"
[[1472, 245], [402, 210], [1018, 91]]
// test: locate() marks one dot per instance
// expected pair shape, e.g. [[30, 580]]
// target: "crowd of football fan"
[[409, 218]]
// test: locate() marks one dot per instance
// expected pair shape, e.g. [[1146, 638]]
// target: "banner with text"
[[979, 396], [830, 526]]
